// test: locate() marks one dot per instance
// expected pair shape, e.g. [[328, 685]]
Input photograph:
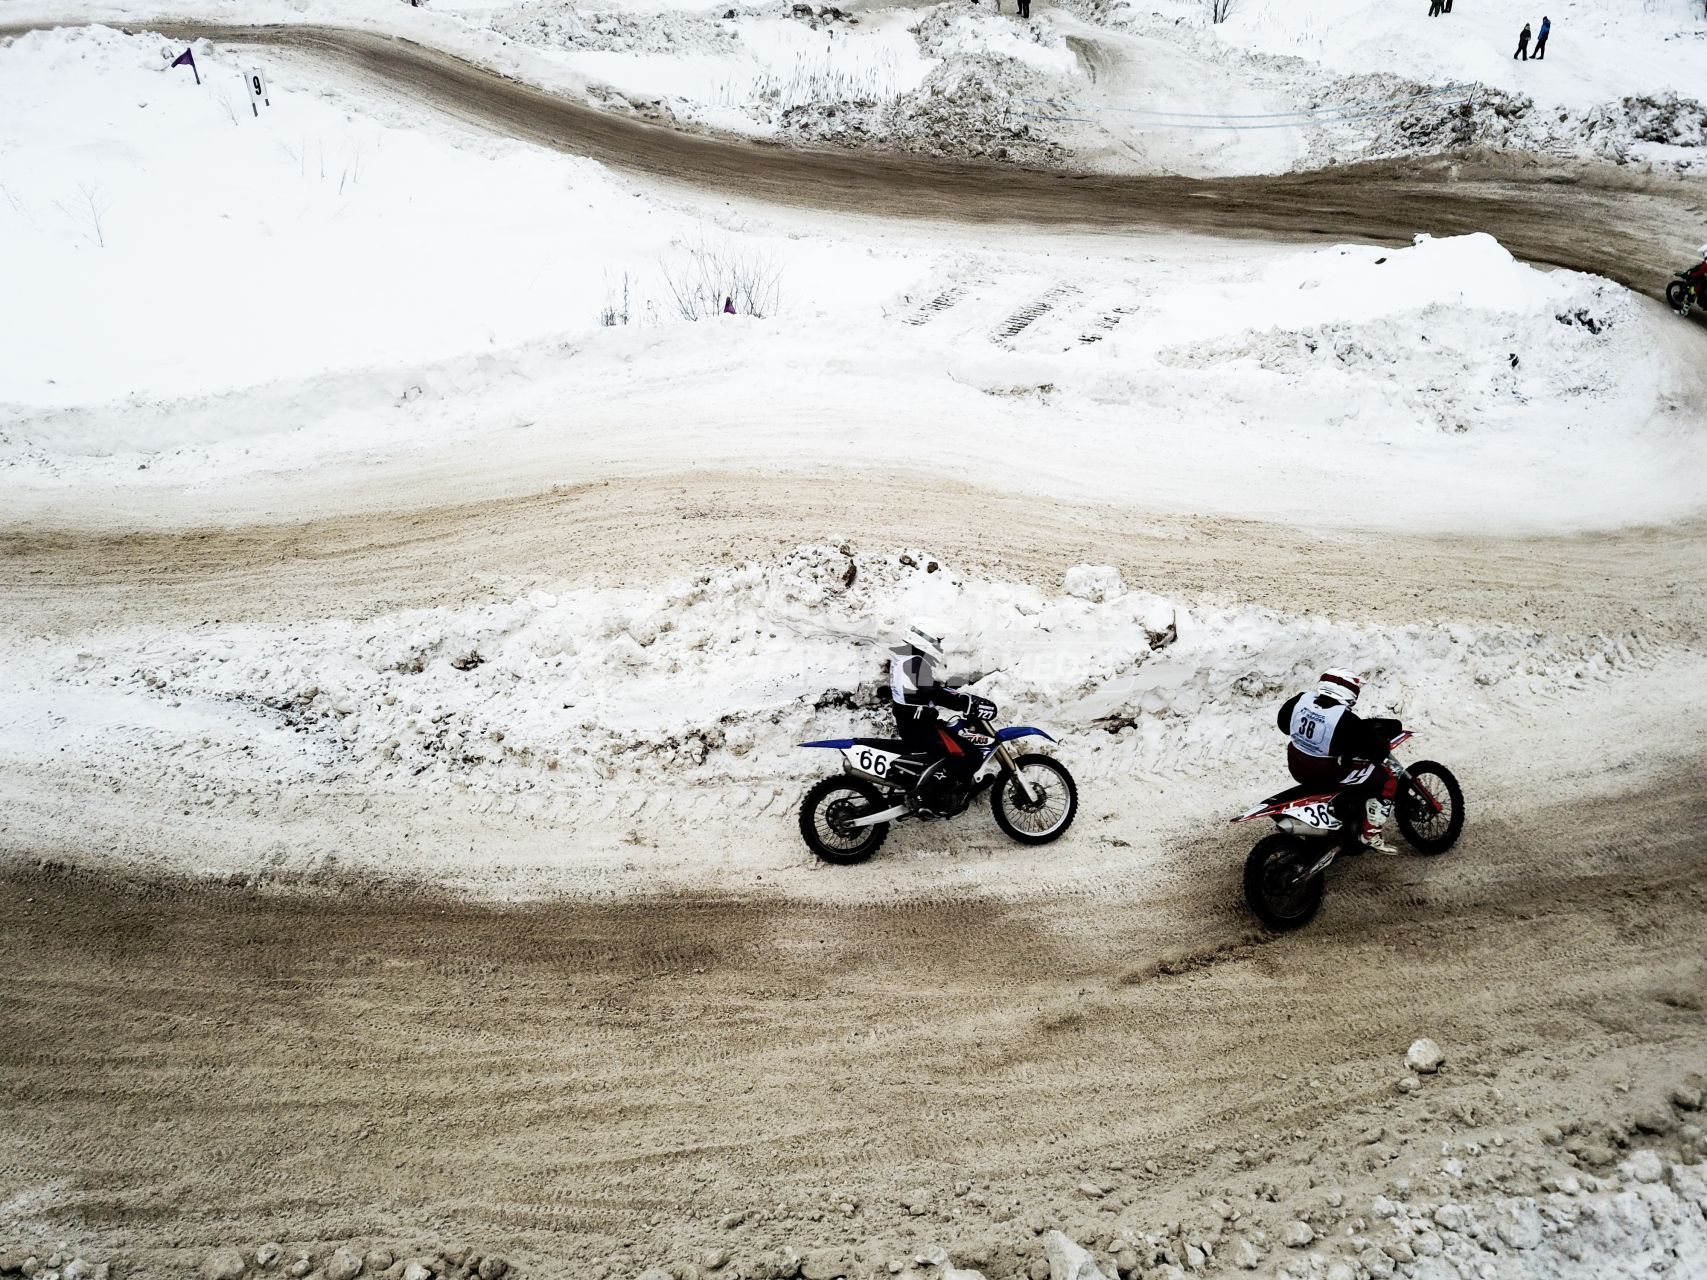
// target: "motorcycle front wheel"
[[1049, 814], [1677, 294], [1273, 889], [1430, 832], [827, 814]]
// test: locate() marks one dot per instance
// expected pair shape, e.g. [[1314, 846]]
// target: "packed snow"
[[593, 712], [330, 279]]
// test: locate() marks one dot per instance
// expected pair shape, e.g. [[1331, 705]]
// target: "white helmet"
[[924, 635], [1341, 685], [1704, 253]]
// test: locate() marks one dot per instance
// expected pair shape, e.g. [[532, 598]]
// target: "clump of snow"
[[978, 98], [1442, 330], [1094, 582]]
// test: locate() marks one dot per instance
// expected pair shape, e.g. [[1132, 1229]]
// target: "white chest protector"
[[1313, 727]]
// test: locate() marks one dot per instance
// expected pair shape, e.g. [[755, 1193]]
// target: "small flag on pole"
[[188, 59]]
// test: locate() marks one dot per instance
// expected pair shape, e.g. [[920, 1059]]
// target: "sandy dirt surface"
[[362, 563], [596, 1088]]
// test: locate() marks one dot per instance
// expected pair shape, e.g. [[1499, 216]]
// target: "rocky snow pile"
[[711, 682]]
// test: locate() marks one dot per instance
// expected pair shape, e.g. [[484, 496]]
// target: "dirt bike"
[[1285, 874], [1683, 294], [845, 819]]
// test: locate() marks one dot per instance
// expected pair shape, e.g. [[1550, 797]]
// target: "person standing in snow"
[[1434, 8], [1541, 36], [1025, 10], [1523, 44], [1332, 747]]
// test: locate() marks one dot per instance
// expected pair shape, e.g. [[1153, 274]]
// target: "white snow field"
[[345, 278], [606, 737]]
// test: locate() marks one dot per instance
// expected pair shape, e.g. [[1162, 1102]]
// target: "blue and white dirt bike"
[[845, 818]]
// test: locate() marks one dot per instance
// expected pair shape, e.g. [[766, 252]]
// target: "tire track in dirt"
[[286, 1061], [360, 564]]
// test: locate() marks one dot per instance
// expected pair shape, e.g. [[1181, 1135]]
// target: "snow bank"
[[711, 682], [1597, 52]]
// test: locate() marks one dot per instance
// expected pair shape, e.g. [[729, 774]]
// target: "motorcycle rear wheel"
[[1677, 295], [826, 813], [1431, 833], [1276, 903]]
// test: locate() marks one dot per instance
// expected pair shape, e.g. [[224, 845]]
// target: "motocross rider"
[[1333, 747], [1697, 275], [916, 697]]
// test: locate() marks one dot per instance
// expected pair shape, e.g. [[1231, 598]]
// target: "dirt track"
[[594, 1087], [362, 563]]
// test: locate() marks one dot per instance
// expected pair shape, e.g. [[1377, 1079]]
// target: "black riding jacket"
[[916, 694], [1355, 738]]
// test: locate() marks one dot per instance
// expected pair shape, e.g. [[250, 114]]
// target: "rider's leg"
[[1377, 795]]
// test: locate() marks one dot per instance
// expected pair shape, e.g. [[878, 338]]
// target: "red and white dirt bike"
[[1285, 874]]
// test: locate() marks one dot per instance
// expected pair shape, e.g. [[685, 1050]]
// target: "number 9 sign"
[[256, 82]]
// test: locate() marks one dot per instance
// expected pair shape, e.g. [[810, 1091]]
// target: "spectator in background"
[[1523, 44], [1434, 8], [1025, 9], [1541, 36]]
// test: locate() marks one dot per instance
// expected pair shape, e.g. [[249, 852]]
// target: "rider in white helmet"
[[916, 696], [1333, 747], [915, 691]]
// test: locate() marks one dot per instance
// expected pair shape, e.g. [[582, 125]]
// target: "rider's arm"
[[940, 695], [1284, 719], [1358, 738], [912, 683]]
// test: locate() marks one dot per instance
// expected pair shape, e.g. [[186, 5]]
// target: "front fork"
[[1405, 781], [1006, 758]]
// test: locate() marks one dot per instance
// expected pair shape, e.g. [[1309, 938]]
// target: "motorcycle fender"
[[1021, 731]]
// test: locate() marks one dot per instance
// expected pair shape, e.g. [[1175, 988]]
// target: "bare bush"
[[615, 312], [88, 214], [703, 279], [1219, 9]]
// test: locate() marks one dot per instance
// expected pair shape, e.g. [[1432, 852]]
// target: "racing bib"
[[1313, 727]]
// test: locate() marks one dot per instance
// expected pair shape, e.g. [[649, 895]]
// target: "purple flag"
[[188, 59]]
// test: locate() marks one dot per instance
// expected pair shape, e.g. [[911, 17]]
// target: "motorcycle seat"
[[1299, 792], [882, 744]]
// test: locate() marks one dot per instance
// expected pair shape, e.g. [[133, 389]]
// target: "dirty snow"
[[1145, 86], [1195, 373]]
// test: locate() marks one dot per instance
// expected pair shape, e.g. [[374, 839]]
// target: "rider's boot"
[[1375, 815]]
